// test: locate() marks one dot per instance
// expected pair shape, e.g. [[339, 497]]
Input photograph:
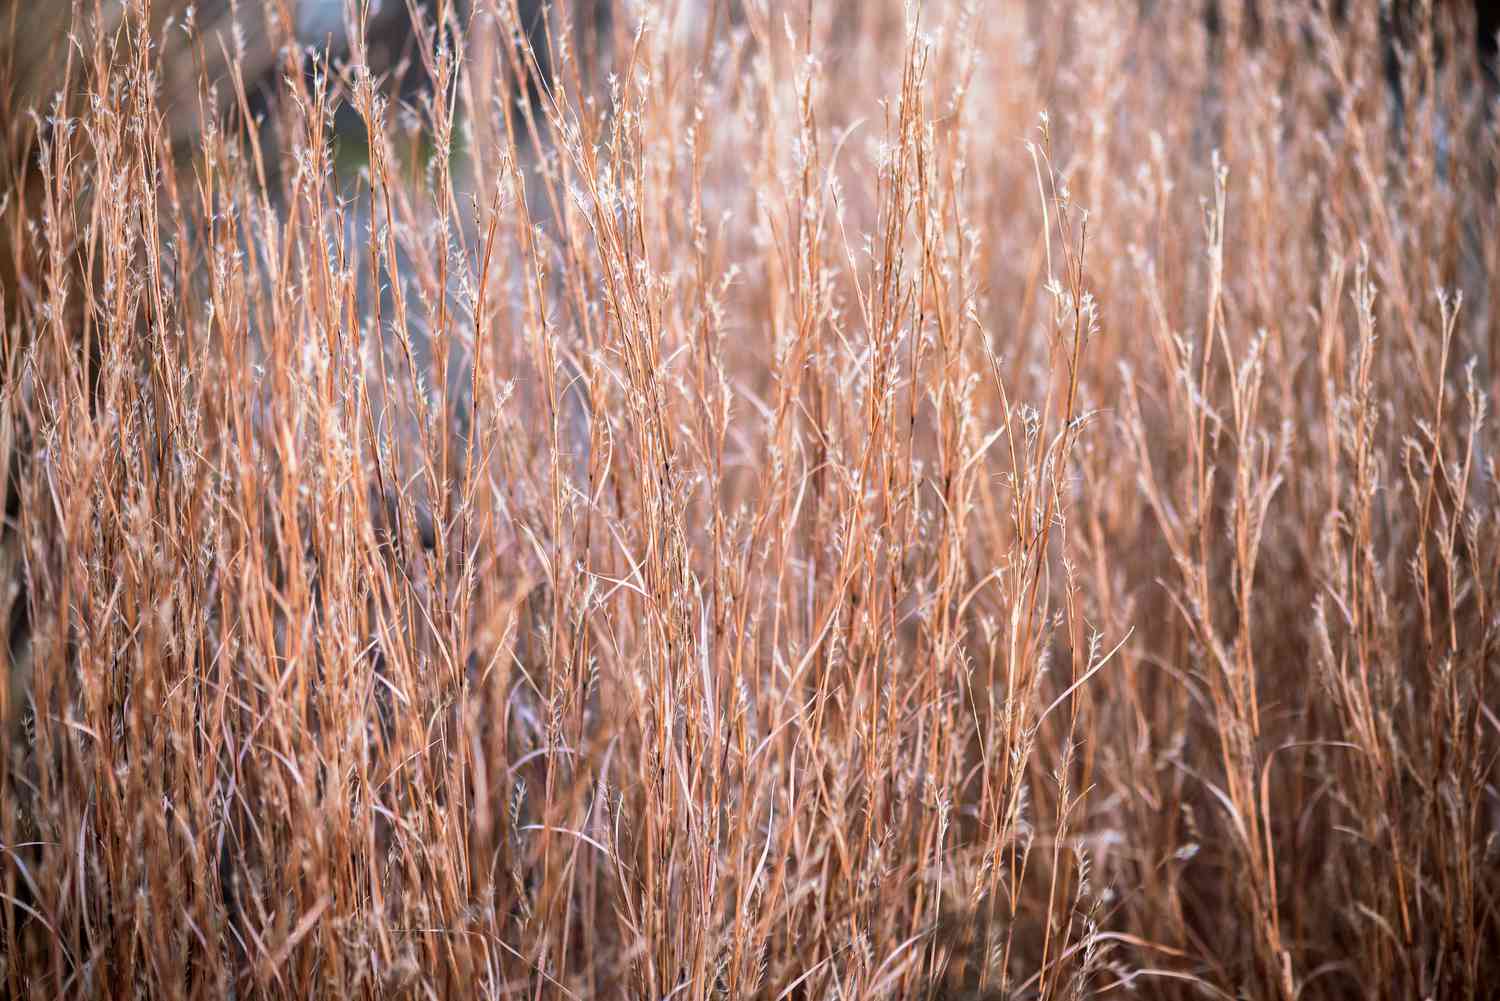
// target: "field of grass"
[[963, 501]]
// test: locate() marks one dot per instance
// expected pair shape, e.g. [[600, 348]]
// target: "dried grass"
[[768, 518]]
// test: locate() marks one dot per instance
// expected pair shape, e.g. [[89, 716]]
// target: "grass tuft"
[[744, 503]]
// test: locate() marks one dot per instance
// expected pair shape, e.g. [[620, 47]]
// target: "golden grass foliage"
[[772, 517]]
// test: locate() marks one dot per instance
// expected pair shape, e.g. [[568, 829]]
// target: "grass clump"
[[768, 517]]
